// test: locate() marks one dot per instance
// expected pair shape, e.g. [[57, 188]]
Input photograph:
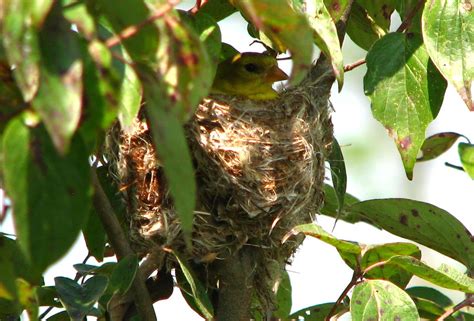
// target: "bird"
[[248, 74]]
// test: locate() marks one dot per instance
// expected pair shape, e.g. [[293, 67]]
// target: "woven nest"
[[259, 168]]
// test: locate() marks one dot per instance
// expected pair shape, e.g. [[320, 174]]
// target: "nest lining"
[[259, 169]]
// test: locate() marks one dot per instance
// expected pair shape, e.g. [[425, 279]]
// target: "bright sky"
[[318, 274]]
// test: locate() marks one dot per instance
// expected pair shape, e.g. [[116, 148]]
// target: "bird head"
[[249, 74]]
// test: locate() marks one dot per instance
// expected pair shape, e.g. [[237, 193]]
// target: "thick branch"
[[122, 248], [236, 275]]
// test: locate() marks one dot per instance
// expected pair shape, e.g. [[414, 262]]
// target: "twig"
[[355, 278], [409, 18], [134, 29], [122, 247], [197, 6], [469, 301], [454, 166], [353, 65]]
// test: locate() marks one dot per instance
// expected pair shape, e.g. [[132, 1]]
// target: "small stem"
[[122, 248], [469, 301], [354, 280], [409, 18], [454, 166], [353, 65], [134, 29]]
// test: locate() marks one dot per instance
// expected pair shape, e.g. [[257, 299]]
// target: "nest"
[[259, 169]]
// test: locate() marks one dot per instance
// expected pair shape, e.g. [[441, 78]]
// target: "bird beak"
[[276, 74]]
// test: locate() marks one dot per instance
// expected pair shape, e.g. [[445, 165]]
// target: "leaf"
[[362, 29], [95, 237], [325, 36], [198, 294], [406, 91], [317, 312], [123, 275], [466, 154], [286, 28], [47, 224], [60, 316], [423, 223], [217, 9], [20, 25], [390, 272], [331, 206], [11, 254], [448, 32], [28, 299], [405, 9], [283, 296], [336, 8], [87, 269], [170, 142], [11, 99], [437, 144], [184, 67], [445, 276], [59, 96], [78, 15], [142, 47], [209, 34], [7, 271], [430, 310], [381, 300], [79, 300], [430, 294], [338, 173], [48, 296], [317, 231]]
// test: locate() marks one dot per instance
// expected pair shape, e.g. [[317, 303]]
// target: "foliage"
[[69, 69]]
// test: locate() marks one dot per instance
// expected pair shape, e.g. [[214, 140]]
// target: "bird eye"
[[250, 67]]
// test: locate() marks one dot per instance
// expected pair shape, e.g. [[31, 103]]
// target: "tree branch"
[[353, 65], [469, 301], [134, 29], [122, 248], [409, 18], [354, 280]]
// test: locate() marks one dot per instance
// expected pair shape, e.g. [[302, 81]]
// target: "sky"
[[374, 168]]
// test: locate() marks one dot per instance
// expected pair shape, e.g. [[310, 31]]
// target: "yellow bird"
[[250, 75]]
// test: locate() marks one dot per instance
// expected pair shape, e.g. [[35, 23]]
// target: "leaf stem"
[[469, 301], [122, 248], [454, 166], [406, 23], [354, 65], [355, 278], [134, 29]]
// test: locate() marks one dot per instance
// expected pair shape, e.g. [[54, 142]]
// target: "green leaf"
[[423, 223], [437, 144], [60, 316], [11, 254], [430, 294], [390, 272], [198, 294], [283, 296], [79, 300], [95, 237], [338, 173], [59, 96], [7, 270], [445, 276], [170, 142], [209, 34], [11, 99], [331, 206], [466, 154], [448, 32], [381, 300], [184, 68], [362, 29], [286, 28], [336, 8], [217, 9], [142, 47], [77, 14], [430, 310], [47, 224], [123, 275], [325, 36], [317, 231], [405, 9], [28, 298], [406, 91], [379, 11], [317, 312], [20, 25], [87, 269], [48, 296]]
